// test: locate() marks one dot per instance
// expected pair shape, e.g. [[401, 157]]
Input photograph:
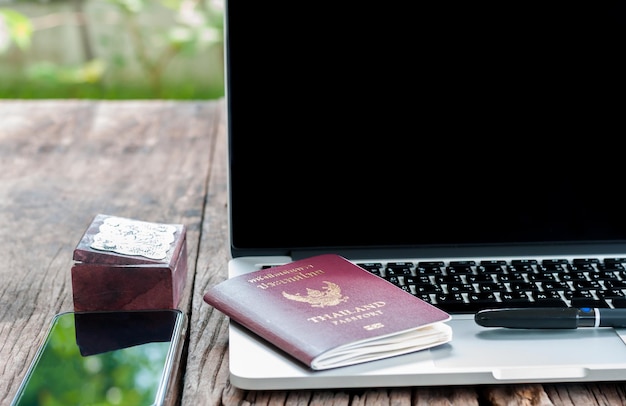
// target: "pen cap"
[[548, 317], [612, 317]]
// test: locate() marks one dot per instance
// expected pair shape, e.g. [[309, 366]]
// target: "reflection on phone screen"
[[108, 358]]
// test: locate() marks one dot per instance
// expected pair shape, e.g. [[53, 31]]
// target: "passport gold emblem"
[[330, 295]]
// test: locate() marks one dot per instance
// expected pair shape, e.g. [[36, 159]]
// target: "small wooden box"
[[126, 264]]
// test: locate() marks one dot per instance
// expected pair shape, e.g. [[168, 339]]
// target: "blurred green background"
[[111, 49]]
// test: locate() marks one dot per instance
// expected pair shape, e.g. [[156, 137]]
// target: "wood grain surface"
[[64, 161]]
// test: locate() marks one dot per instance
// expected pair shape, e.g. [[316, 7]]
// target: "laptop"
[[425, 141]]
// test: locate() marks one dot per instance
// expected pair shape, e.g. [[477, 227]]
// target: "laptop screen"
[[424, 126]]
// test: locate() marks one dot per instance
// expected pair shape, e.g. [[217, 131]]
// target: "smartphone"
[[106, 358]]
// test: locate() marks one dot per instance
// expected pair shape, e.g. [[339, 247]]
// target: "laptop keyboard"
[[469, 286]]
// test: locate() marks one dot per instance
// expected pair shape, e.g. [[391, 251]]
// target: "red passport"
[[327, 312]]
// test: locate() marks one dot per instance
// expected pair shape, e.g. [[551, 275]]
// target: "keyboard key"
[[394, 279], [611, 294], [448, 279], [610, 267], [615, 284], [555, 286], [602, 276], [485, 278], [462, 263], [420, 270], [450, 298], [515, 299], [490, 269], [524, 286], [548, 295], [491, 287], [406, 288], [571, 276], [460, 287], [373, 267], [400, 265], [588, 302], [431, 263], [459, 270], [397, 271], [549, 262], [520, 267], [415, 280], [548, 301], [423, 288], [523, 262], [510, 277], [482, 298], [541, 276], [551, 268], [585, 261], [586, 285], [493, 262]]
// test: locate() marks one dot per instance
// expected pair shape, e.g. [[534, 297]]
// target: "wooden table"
[[63, 162]]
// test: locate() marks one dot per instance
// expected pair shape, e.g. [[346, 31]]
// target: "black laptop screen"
[[441, 126]]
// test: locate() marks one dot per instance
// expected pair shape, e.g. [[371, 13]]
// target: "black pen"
[[551, 317]]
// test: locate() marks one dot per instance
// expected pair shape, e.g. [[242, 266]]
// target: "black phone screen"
[[105, 358]]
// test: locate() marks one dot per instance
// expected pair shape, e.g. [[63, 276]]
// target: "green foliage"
[[48, 89], [194, 30], [14, 28], [89, 72]]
